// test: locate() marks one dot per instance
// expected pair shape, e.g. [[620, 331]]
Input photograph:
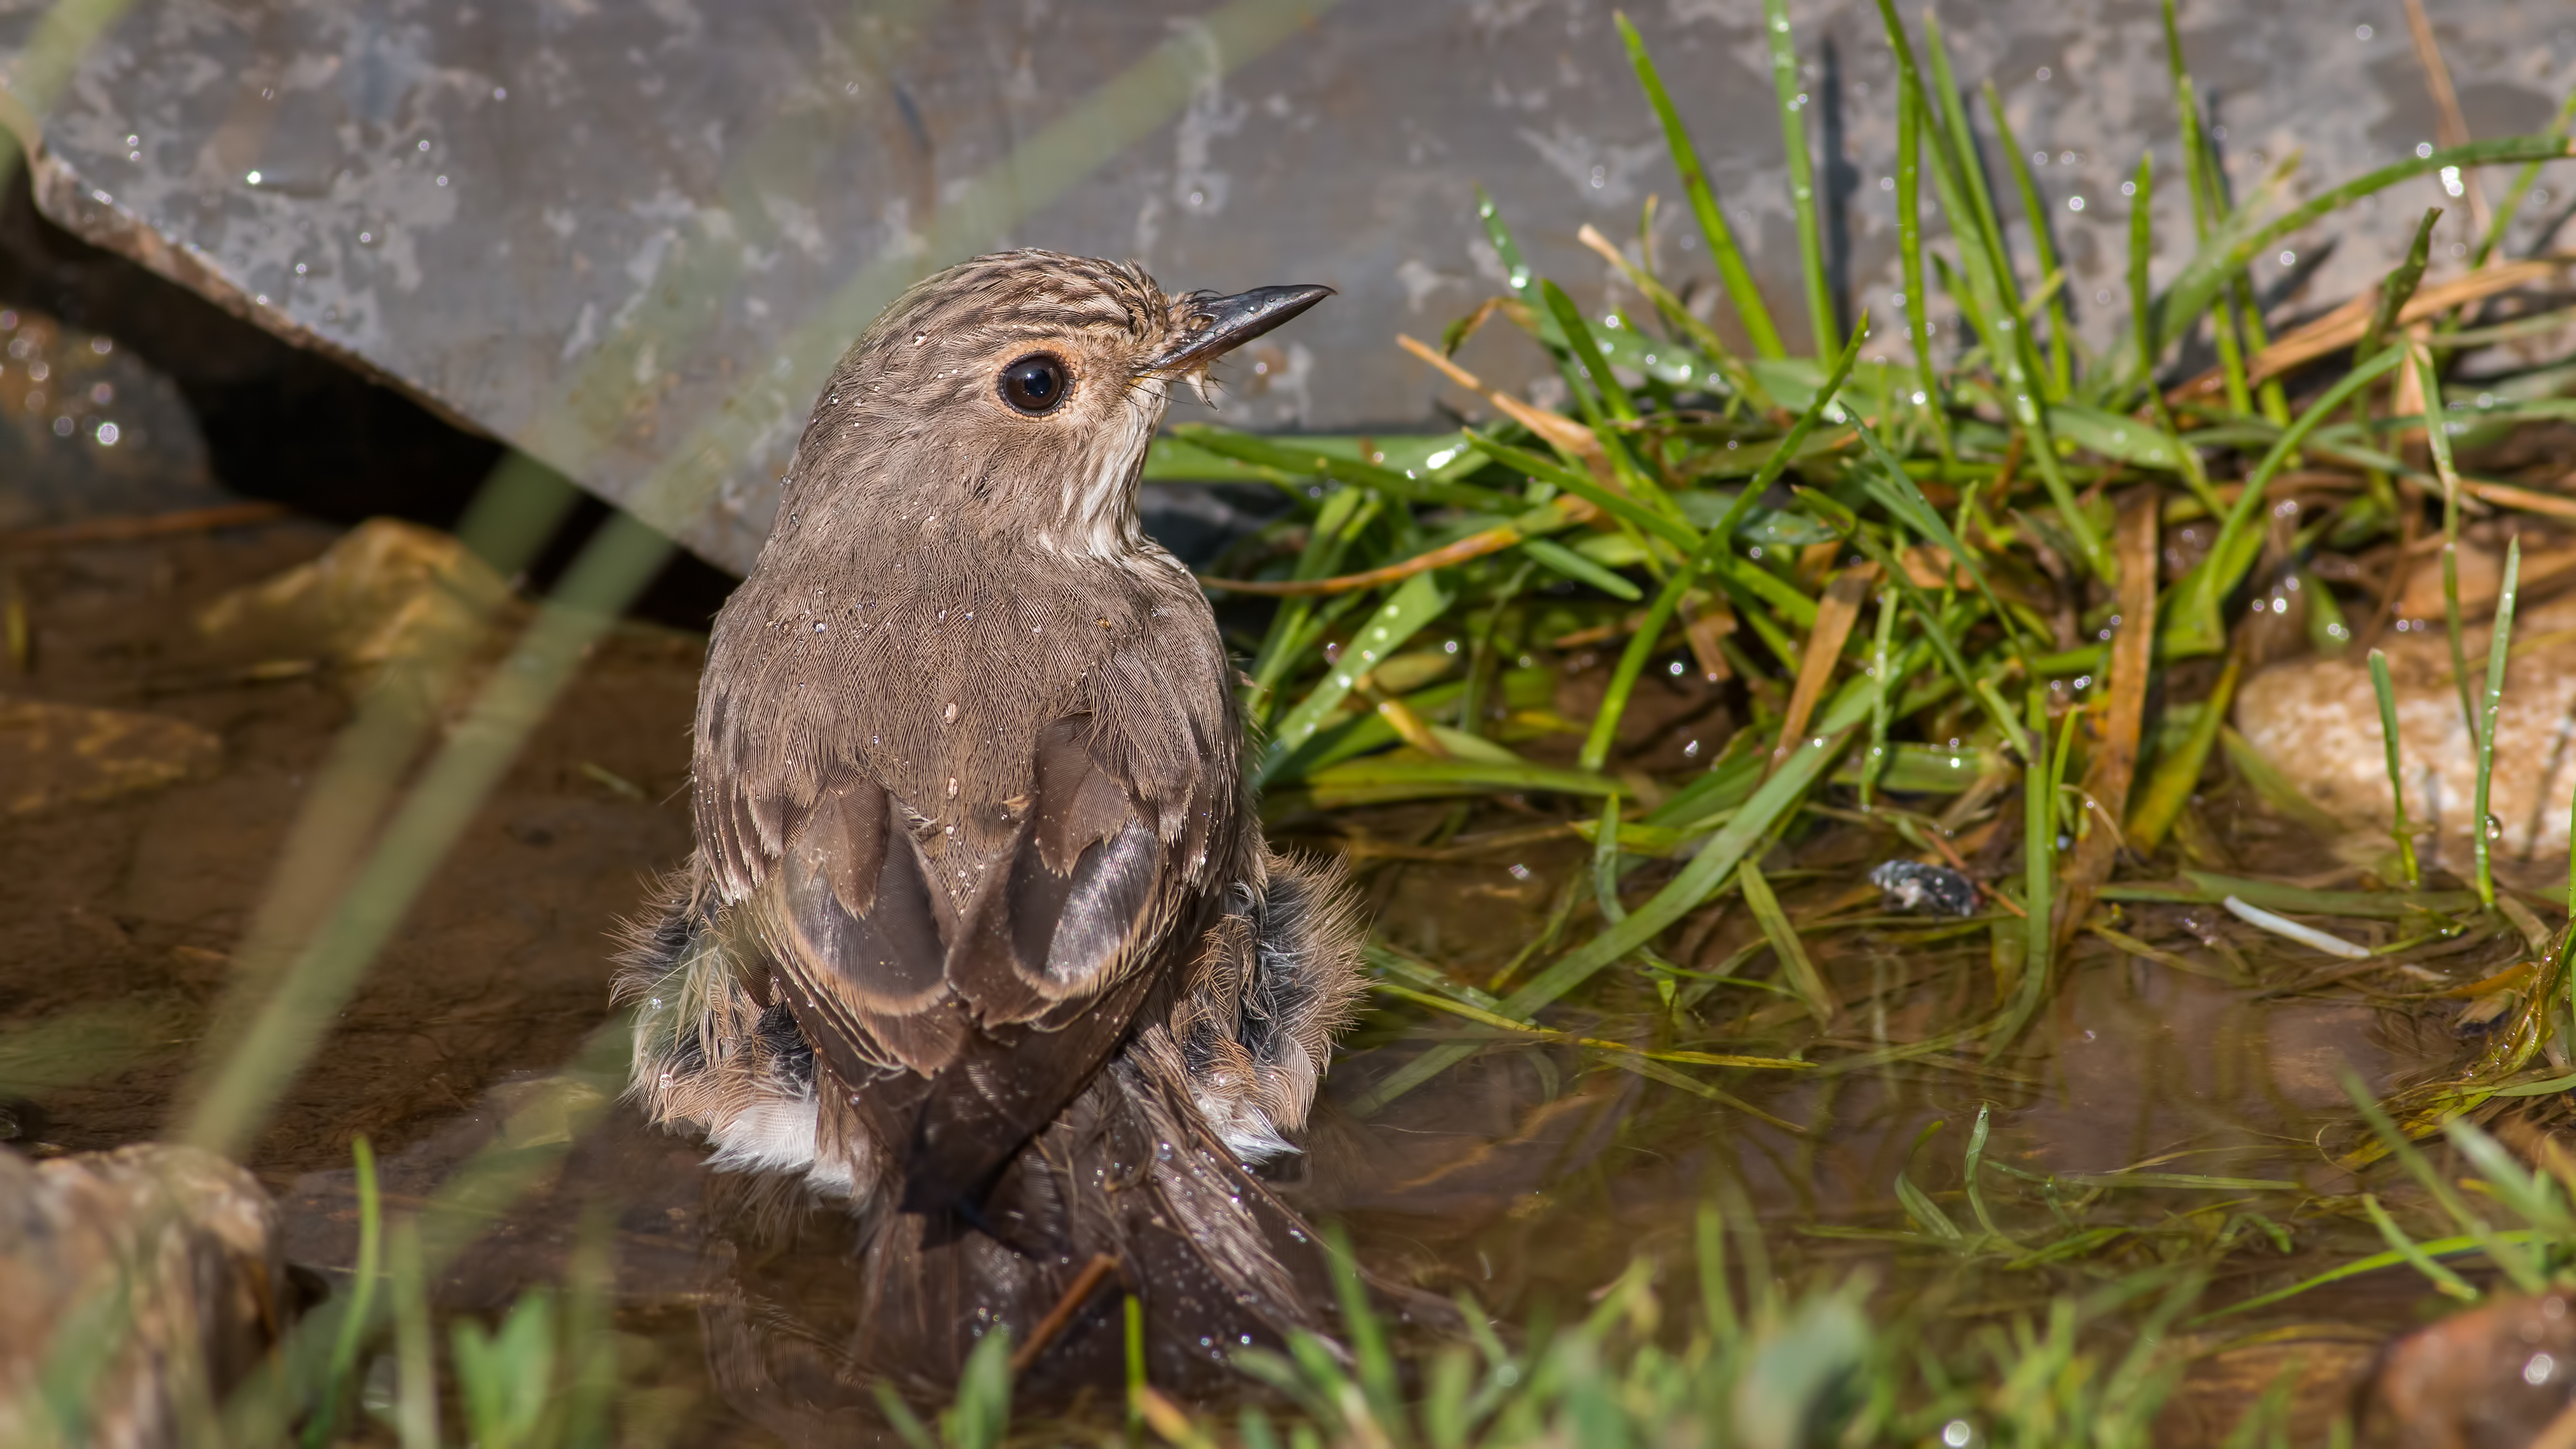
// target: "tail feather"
[[1218, 1263]]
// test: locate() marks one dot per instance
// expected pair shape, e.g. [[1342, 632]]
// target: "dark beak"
[[1214, 326]]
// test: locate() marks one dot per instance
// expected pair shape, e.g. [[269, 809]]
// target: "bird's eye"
[[1035, 384]]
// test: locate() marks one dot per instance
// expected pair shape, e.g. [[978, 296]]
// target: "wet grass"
[[1983, 609], [1871, 568]]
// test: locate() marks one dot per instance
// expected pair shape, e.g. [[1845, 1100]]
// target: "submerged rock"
[[2501, 1374], [60, 754], [2317, 720], [175, 1247], [387, 590], [89, 430]]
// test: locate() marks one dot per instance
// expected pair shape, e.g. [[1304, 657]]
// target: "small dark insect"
[[1916, 889]]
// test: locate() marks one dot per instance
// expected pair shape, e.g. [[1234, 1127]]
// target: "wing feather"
[[960, 1033], [856, 930]]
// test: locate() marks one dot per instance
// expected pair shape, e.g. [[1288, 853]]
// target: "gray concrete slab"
[[629, 235]]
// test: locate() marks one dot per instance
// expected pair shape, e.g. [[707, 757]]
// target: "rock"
[[192, 1238], [89, 430], [468, 212], [386, 590], [2317, 720], [60, 754], [2501, 1375]]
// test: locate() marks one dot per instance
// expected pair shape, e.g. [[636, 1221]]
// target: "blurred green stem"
[[2178, 774], [2499, 640], [2402, 831], [1722, 250], [1791, 93]]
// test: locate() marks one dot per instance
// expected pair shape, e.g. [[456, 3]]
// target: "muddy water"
[[1527, 1176]]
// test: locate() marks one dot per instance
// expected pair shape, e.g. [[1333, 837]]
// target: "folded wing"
[[958, 1031]]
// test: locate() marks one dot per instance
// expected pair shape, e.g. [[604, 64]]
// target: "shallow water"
[[1528, 1176]]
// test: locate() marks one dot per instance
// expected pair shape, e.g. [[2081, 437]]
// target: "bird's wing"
[[960, 1031]]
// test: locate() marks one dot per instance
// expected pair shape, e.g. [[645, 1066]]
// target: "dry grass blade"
[[1469, 1011], [128, 529], [1559, 430], [2345, 325], [2113, 768], [2448, 123], [2529, 500], [1835, 615], [1474, 546], [1085, 1283]]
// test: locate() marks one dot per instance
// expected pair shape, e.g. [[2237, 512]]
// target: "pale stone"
[[2317, 720], [181, 1241]]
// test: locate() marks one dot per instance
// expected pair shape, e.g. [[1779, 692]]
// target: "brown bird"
[[981, 935]]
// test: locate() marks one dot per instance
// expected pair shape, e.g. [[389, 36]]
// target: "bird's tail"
[[1125, 1195]]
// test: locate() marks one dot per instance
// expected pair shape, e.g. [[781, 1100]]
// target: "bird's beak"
[[1215, 326]]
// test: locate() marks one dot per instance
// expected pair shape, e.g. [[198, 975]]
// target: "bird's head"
[[1017, 393]]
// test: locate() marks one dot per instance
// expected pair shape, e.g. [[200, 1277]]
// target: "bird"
[[981, 945]]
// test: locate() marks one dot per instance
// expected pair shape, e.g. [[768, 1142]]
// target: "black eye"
[[1034, 384]]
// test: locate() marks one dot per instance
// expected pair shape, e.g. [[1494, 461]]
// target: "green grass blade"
[[982, 1413], [1672, 529], [1993, 298], [1715, 541], [1632, 662], [1716, 1294], [1605, 863], [1969, 173], [2142, 310], [1378, 1374], [2205, 207], [2533, 1196], [1722, 249], [1284, 455], [1709, 869], [1909, 248], [1722, 363], [2039, 874], [415, 1351], [1379, 781], [1132, 1309], [2505, 1253], [1791, 95], [1575, 566], [1516, 268], [2511, 207], [899, 1416], [1591, 362], [2061, 375], [2403, 833], [1919, 1206], [2398, 287], [355, 1317], [2499, 637], [2437, 440], [2192, 623], [1415, 604], [2212, 270], [1795, 964], [1972, 1171], [2376, 1262], [1881, 661], [2169, 787]]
